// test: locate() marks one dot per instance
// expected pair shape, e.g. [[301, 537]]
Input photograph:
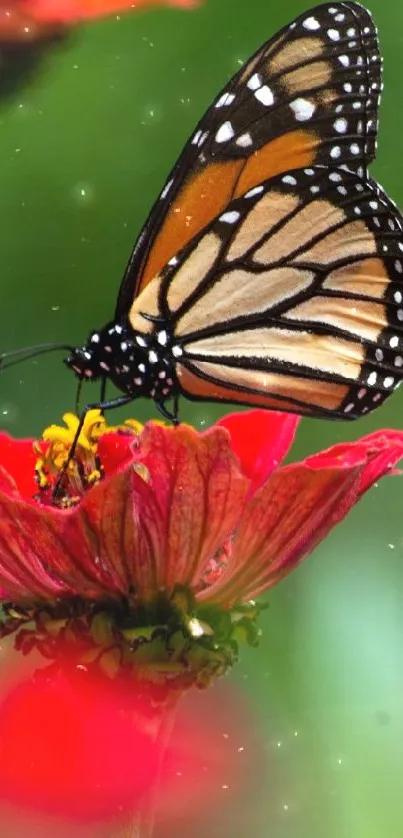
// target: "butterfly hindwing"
[[309, 96], [291, 298]]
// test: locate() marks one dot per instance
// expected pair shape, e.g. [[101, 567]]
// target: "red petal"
[[261, 439], [384, 449], [284, 521], [85, 551], [119, 527], [32, 551], [18, 459], [199, 493], [115, 451], [299, 505]]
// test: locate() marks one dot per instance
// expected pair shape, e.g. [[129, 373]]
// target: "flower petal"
[[46, 552], [297, 508], [261, 439], [199, 493], [115, 450], [284, 521], [18, 459], [121, 516]]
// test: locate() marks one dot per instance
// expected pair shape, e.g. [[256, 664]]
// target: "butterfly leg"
[[100, 405], [167, 414]]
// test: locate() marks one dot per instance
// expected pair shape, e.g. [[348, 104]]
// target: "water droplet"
[[9, 412], [151, 114], [83, 193]]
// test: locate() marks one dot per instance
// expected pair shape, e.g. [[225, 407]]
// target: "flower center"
[[67, 467]]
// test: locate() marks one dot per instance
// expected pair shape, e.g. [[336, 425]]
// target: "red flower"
[[212, 512], [73, 11], [27, 22], [143, 563], [24, 21]]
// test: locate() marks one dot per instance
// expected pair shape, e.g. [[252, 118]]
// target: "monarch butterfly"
[[270, 270]]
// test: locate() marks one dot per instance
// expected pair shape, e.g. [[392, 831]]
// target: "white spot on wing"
[[224, 133], [230, 217], [166, 188], [162, 337], [303, 109], [340, 125], [254, 82], [255, 191], [244, 140], [311, 23], [226, 99], [264, 95]]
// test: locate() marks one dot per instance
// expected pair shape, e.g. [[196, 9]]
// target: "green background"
[[83, 152]]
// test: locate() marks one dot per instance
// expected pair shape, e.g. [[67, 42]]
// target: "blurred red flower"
[[73, 11], [25, 21]]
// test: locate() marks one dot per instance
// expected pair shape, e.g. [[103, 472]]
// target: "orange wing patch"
[[292, 151], [203, 197], [262, 389]]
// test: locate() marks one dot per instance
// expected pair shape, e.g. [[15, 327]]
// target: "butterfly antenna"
[[17, 356]]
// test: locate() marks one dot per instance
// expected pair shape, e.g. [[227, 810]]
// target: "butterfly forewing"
[[292, 297], [309, 96]]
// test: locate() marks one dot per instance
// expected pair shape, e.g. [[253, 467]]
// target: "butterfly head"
[[93, 360]]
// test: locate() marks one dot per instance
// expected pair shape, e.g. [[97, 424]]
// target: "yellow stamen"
[[83, 469]]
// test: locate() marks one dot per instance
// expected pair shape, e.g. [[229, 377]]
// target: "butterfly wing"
[[291, 299], [309, 96]]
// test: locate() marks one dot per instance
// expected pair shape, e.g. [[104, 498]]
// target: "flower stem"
[[139, 823]]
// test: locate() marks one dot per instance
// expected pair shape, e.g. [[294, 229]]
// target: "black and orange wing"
[[292, 298], [308, 97]]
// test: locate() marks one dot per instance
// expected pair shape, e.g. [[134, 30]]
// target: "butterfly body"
[[138, 366], [270, 270]]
